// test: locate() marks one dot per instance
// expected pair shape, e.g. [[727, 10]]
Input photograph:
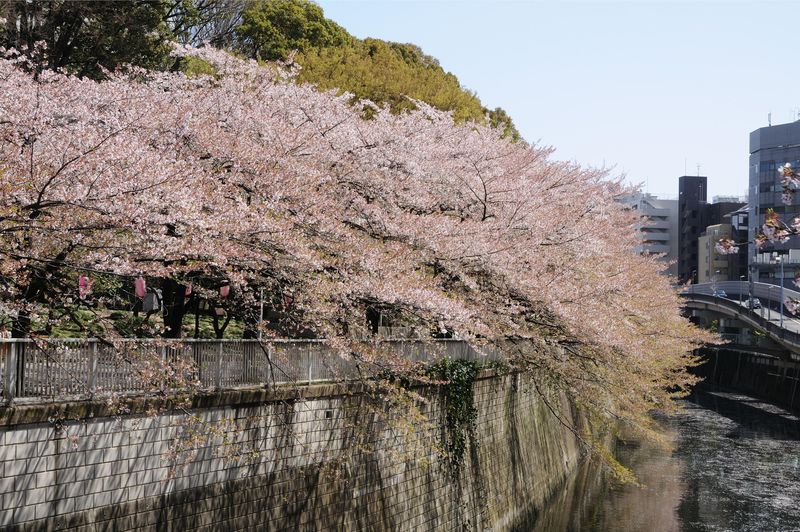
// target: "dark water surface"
[[734, 465]]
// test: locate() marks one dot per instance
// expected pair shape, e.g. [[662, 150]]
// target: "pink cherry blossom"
[[726, 246]]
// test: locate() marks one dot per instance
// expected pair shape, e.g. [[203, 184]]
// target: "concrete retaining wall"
[[771, 377], [317, 458]]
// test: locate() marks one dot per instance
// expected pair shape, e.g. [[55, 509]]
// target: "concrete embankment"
[[769, 376], [325, 457]]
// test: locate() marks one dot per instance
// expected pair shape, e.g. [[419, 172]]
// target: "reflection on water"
[[735, 465]]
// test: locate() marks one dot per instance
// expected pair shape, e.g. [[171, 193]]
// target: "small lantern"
[[140, 287], [224, 290], [84, 286]]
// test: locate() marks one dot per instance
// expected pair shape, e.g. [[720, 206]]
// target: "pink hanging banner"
[[140, 287]]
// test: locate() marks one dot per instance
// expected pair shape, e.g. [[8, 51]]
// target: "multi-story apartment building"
[[659, 227], [711, 266], [770, 148], [694, 215]]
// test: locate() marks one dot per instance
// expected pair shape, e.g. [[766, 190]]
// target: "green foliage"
[[271, 30], [66, 326], [130, 326], [86, 37], [194, 67], [459, 377], [235, 328], [498, 118], [389, 73], [384, 72]]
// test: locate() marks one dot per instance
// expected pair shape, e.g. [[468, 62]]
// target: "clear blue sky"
[[643, 86]]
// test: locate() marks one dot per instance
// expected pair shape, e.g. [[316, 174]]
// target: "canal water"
[[734, 465]]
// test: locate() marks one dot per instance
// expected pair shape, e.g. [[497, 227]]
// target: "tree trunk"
[[219, 329], [197, 318], [174, 295], [21, 325]]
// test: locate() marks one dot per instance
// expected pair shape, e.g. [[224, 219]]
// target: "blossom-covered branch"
[[774, 230]]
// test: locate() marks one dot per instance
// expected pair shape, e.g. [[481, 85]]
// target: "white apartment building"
[[659, 227]]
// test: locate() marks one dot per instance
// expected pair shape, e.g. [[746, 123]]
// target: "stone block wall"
[[328, 457]]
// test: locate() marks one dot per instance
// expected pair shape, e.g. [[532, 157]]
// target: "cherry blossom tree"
[[246, 179]]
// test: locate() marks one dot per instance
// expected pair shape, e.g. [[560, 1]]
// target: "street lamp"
[[779, 259]]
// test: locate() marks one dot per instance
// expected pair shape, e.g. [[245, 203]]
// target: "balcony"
[[654, 248], [656, 224], [649, 237]]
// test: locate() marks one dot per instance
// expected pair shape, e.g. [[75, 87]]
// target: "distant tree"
[[389, 73], [498, 118], [206, 21], [271, 30], [386, 73], [84, 37]]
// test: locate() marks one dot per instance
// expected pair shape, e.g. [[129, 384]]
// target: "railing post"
[[270, 358], [10, 375], [93, 368], [245, 345], [163, 368], [219, 366], [308, 358]]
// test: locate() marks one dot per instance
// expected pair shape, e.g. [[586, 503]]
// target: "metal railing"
[[763, 291], [787, 338], [59, 368]]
